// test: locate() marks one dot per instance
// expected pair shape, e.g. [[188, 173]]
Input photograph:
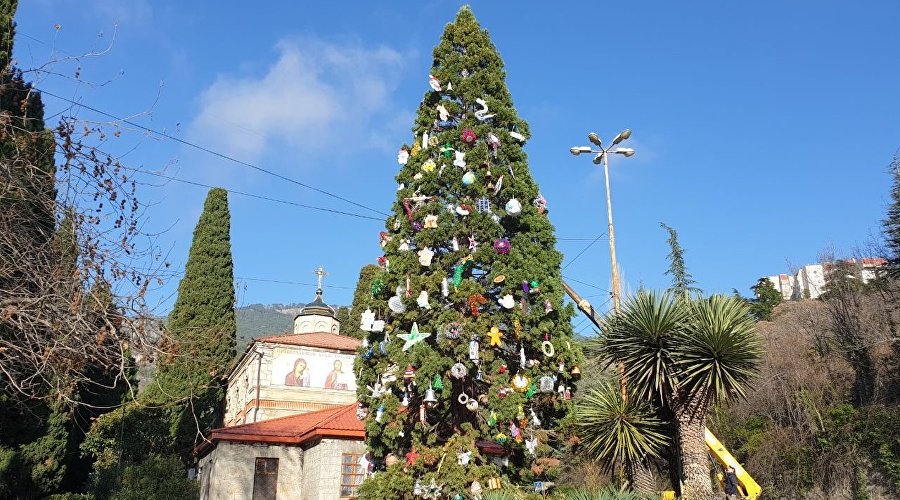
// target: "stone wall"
[[322, 469], [227, 472]]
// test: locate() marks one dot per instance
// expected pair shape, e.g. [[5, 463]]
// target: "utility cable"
[[210, 151]]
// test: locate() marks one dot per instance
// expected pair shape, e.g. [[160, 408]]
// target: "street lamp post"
[[602, 155]]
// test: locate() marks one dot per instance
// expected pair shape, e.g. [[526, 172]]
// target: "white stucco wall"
[[226, 473]]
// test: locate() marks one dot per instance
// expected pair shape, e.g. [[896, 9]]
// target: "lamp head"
[[624, 151], [577, 150], [598, 159], [595, 139], [623, 136]]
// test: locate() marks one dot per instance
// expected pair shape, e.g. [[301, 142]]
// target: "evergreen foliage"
[[891, 223], [467, 226], [202, 324], [767, 297], [361, 296], [682, 281], [158, 477]]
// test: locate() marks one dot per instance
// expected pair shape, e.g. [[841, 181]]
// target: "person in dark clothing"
[[731, 485]]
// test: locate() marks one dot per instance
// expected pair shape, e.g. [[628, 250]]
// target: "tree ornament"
[[396, 305], [384, 344], [529, 393], [492, 419], [483, 205], [367, 320], [468, 136], [431, 221], [531, 445], [430, 399], [377, 288], [437, 382], [457, 274], [541, 203], [517, 327], [409, 374], [495, 335], [376, 391], [411, 457], [482, 114], [443, 114], [413, 337], [474, 302], [499, 186], [416, 226], [513, 207], [500, 438], [425, 256], [548, 306], [473, 243], [403, 156], [463, 457], [547, 348], [535, 421], [535, 286], [445, 288], [547, 383], [520, 382], [576, 371], [567, 394], [507, 301], [429, 166], [417, 488], [459, 159], [459, 371], [499, 279], [468, 178], [434, 83], [476, 489], [361, 411], [521, 356], [454, 330], [434, 491], [464, 209], [502, 246], [514, 432], [379, 414], [415, 149], [447, 150], [383, 263], [474, 350], [422, 300], [517, 136]]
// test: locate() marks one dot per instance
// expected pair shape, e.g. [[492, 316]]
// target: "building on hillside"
[[809, 281], [291, 430]]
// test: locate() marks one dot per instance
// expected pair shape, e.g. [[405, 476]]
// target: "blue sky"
[[763, 129]]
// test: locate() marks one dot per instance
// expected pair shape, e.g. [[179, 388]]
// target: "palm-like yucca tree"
[[688, 353], [618, 430]]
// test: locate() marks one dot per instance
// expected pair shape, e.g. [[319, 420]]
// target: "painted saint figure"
[[299, 376], [335, 378]]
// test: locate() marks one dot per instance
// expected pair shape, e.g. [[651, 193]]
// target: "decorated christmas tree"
[[468, 364]]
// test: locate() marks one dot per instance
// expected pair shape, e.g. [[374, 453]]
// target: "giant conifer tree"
[[891, 223], [202, 325], [471, 295]]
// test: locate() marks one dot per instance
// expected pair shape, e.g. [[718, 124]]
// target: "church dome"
[[317, 307]]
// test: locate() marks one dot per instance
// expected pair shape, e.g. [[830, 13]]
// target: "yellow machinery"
[[749, 489]]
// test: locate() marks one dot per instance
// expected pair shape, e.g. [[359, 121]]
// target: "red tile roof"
[[338, 422], [322, 340]]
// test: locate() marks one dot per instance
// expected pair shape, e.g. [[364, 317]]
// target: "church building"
[[291, 430]]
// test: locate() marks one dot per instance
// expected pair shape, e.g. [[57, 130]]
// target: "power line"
[[210, 151], [258, 196], [569, 278], [585, 249]]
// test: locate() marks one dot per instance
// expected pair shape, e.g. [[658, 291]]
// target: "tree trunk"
[[691, 418], [641, 477]]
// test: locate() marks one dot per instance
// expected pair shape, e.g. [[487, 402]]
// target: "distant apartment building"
[[809, 281]]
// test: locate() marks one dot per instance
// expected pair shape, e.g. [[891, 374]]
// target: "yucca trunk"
[[691, 418], [641, 477]]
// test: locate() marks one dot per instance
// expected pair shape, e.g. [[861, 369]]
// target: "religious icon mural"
[[313, 369], [299, 376]]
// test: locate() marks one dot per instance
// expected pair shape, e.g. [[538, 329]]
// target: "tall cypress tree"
[[361, 300], [471, 294], [891, 224], [202, 327]]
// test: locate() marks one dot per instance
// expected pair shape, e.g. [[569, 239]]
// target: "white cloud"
[[316, 96]]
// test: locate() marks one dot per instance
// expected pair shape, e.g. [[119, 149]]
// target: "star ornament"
[[496, 336], [413, 337]]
